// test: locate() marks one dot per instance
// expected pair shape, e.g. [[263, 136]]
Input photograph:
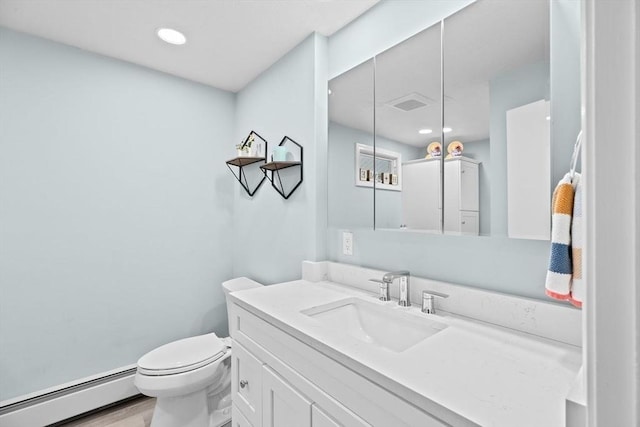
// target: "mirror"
[[480, 81], [350, 205], [496, 104], [408, 117]]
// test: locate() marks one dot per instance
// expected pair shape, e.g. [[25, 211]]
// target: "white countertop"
[[489, 375]]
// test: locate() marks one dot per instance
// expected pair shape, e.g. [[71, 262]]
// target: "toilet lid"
[[182, 356]]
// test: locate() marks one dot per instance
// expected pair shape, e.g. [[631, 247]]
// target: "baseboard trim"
[[71, 400]]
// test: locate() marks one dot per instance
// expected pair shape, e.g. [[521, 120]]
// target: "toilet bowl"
[[191, 378]]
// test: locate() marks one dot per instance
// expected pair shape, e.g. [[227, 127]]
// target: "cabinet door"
[[320, 419], [282, 405], [469, 194], [237, 419], [421, 195], [246, 383]]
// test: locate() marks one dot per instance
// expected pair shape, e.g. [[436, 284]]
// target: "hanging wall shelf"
[[286, 175], [247, 167]]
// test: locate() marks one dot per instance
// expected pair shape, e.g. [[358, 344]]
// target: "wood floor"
[[132, 413]]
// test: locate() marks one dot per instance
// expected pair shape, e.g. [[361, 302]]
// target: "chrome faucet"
[[383, 294], [404, 298], [428, 306]]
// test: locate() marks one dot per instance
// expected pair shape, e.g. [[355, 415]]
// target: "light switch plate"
[[347, 243]]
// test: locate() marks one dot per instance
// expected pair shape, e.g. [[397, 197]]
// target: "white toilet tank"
[[238, 284]]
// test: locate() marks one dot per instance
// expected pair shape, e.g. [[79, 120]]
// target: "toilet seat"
[[182, 356]]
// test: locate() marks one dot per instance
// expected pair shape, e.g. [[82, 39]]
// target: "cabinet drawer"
[[469, 223], [246, 383]]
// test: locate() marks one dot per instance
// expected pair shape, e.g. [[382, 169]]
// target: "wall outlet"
[[347, 243]]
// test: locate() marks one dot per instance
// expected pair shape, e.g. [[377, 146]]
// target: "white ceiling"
[[229, 42], [482, 41]]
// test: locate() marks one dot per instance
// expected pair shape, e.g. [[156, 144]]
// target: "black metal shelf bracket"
[[288, 181]]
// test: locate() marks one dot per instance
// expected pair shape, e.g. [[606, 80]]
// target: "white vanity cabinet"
[[283, 405], [279, 381], [461, 196], [262, 397]]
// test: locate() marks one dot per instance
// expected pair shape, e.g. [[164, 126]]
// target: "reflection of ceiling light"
[[446, 130], [548, 117], [424, 131], [171, 36], [329, 91]]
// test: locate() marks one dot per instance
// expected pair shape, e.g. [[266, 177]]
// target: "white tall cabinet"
[[421, 200], [421, 204], [461, 196]]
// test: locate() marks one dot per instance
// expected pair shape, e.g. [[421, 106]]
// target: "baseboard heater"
[[69, 400]]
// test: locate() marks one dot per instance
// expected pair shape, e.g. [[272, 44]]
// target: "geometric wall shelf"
[[286, 176], [246, 167]]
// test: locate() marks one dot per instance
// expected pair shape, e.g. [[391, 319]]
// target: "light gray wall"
[[351, 206], [511, 266], [115, 212], [272, 236], [564, 84]]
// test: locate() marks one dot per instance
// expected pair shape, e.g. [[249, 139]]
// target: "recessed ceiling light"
[[171, 36], [446, 130], [548, 117], [424, 131], [330, 92]]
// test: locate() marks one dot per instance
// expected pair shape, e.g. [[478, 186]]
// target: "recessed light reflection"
[[424, 131]]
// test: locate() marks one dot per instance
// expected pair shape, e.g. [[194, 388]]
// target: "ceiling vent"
[[411, 102]]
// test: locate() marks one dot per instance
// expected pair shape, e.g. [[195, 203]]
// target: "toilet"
[[191, 378]]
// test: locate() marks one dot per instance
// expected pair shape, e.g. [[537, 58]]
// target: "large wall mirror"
[[459, 120], [408, 118], [496, 105], [351, 116]]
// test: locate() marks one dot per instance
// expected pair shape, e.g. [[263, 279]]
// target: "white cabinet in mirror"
[[529, 171], [422, 201]]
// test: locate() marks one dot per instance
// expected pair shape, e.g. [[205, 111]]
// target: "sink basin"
[[375, 324]]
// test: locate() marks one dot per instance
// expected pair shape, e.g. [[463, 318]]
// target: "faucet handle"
[[384, 294], [427, 301]]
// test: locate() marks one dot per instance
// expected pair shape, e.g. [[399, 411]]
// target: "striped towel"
[[558, 283], [577, 284]]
